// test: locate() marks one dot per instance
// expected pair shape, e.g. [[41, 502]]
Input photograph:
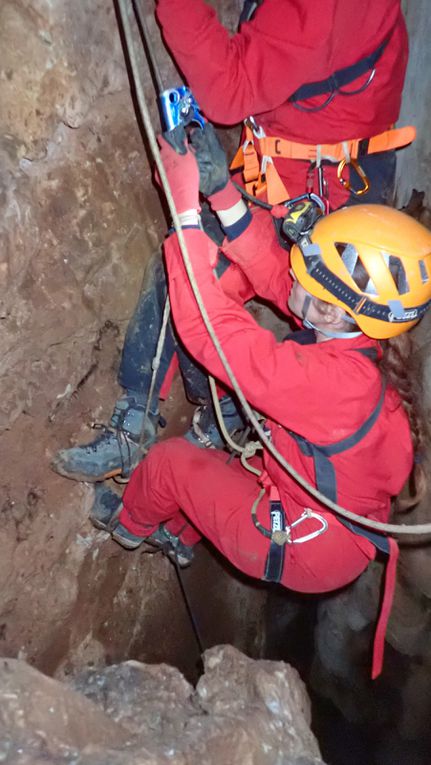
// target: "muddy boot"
[[171, 546], [104, 515], [116, 451], [161, 539], [204, 431]]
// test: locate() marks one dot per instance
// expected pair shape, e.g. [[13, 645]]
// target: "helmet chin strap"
[[336, 335]]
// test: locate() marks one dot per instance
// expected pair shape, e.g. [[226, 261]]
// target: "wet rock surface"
[[242, 711]]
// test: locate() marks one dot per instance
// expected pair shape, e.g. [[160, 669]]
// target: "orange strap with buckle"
[[257, 182]]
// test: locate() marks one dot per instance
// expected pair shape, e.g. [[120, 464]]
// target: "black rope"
[[251, 198], [188, 607]]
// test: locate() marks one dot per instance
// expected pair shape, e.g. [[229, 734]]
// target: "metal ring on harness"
[[358, 90], [302, 108], [336, 91], [359, 171]]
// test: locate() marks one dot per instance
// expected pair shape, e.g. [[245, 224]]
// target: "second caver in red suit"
[[322, 391], [289, 43]]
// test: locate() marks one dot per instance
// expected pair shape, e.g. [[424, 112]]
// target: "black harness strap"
[[326, 481], [248, 10], [339, 79], [275, 558], [378, 540], [325, 474]]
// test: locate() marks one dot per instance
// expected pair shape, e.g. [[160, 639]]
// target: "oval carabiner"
[[360, 173], [307, 515]]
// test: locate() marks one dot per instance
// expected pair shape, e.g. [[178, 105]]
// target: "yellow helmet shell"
[[381, 238]]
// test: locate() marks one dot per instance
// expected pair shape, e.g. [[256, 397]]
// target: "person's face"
[[296, 298]]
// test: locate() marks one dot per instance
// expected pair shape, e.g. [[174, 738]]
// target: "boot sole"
[[84, 478], [128, 545]]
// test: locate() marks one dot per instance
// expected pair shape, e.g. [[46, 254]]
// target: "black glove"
[[211, 158], [177, 138]]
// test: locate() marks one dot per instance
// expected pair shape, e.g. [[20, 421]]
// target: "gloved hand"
[[183, 176], [214, 178], [211, 158]]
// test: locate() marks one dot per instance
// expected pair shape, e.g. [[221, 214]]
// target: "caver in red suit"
[[287, 44], [322, 391]]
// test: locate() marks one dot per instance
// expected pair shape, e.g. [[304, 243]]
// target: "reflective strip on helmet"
[[359, 305]]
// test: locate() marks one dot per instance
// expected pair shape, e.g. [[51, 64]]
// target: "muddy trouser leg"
[[141, 339], [142, 335], [117, 448]]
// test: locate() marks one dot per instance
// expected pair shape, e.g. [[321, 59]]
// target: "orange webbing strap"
[[253, 150], [280, 147], [388, 596], [257, 182], [248, 160]]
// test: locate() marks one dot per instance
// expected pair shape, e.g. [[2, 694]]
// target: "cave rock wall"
[[79, 220]]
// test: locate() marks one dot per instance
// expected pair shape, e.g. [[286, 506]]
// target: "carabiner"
[[256, 129], [322, 198], [306, 515], [360, 173]]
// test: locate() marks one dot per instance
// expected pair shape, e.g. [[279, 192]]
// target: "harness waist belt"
[[335, 152]]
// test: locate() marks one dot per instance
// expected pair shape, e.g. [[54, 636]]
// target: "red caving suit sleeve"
[[287, 44], [259, 255], [322, 391], [276, 378], [255, 70]]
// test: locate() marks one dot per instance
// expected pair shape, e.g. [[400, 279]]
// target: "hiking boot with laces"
[[204, 431], [105, 513], [161, 539], [118, 448]]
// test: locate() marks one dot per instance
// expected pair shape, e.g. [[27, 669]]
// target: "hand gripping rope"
[[390, 528]]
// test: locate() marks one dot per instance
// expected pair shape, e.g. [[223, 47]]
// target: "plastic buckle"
[[266, 160], [360, 173]]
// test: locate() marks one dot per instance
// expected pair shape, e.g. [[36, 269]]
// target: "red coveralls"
[[323, 392], [289, 43]]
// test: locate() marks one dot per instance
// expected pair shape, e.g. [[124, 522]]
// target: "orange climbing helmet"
[[374, 262]]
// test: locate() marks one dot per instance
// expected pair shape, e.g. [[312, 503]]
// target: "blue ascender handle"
[[178, 106]]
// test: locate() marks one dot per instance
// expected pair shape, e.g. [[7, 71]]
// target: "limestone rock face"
[[38, 714], [243, 711], [80, 218]]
